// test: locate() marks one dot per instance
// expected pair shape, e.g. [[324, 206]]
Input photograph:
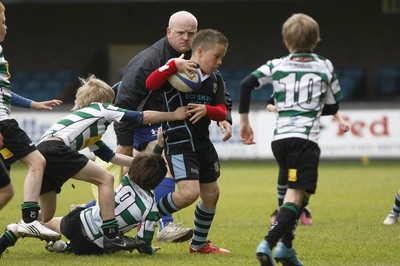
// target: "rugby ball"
[[184, 83]]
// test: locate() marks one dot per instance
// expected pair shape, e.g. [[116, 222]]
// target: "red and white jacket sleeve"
[[159, 76]]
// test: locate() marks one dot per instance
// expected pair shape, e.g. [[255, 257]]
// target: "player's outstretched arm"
[[122, 159], [20, 101], [45, 105], [152, 117]]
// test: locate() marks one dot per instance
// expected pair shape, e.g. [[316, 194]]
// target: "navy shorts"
[[300, 158], [62, 163], [144, 135], [17, 143], [71, 227], [201, 165]]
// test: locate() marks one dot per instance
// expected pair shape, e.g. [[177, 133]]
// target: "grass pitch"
[[348, 209]]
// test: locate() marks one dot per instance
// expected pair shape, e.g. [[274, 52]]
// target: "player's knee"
[[187, 197], [107, 179], [40, 161], [34, 161]]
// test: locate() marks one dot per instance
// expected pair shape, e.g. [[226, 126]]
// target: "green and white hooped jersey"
[[133, 206], [5, 88], [85, 127], [302, 83]]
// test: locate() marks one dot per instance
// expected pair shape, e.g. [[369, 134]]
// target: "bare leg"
[[33, 180], [209, 195], [54, 224], [187, 193], [104, 180], [48, 202], [6, 193]]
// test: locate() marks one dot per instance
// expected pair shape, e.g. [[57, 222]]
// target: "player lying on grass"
[[135, 205]]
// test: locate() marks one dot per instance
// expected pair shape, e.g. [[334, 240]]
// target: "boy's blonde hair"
[[208, 38], [301, 32], [92, 90]]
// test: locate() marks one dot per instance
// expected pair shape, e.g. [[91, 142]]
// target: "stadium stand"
[[352, 82], [40, 85], [233, 77], [389, 83], [44, 85]]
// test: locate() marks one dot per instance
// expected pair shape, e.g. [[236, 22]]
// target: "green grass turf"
[[348, 209]]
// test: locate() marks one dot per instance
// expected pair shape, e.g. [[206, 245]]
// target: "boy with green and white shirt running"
[[305, 87]]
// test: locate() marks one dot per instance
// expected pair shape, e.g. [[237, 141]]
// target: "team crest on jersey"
[[215, 87]]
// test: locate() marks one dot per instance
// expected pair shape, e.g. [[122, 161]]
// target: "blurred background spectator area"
[[389, 83], [352, 81], [45, 37], [41, 85]]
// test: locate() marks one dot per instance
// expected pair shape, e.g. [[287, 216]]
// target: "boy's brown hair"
[[147, 170], [208, 38]]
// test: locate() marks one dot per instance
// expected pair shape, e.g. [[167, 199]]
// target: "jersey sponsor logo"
[[199, 98], [301, 65], [302, 58], [138, 190]]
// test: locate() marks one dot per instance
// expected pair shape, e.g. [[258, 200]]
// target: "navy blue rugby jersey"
[[183, 136]]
